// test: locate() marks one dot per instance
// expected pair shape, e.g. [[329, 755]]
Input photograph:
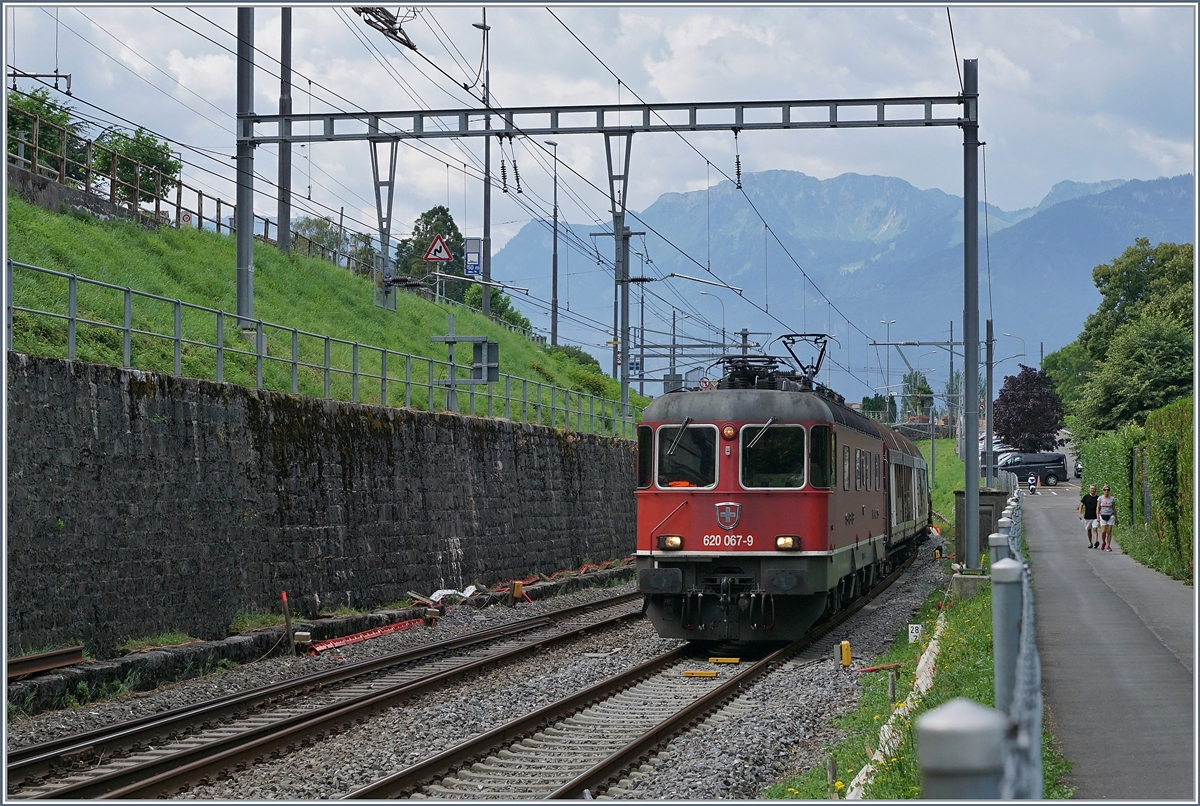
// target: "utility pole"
[[487, 171], [244, 223], [988, 472], [284, 215], [887, 384], [554, 259], [971, 311], [642, 342], [953, 407]]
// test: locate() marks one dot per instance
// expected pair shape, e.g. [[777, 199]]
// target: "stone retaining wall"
[[140, 503]]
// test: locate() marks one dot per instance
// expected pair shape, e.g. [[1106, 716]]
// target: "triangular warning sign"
[[438, 251]]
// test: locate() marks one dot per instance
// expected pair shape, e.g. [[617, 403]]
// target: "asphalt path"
[[1117, 647]]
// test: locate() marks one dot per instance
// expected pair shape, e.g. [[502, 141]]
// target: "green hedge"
[[1150, 471], [1108, 459], [1168, 442]]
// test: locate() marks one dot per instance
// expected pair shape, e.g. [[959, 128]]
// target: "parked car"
[[1078, 469], [1051, 468]]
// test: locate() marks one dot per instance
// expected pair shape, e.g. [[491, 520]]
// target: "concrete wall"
[[56, 198], [140, 503]]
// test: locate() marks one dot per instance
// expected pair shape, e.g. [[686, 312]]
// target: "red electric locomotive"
[[765, 502]]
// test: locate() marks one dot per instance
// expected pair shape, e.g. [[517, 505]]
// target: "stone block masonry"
[[140, 503]]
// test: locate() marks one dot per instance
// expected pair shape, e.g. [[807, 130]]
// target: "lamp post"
[[888, 380], [1018, 338], [554, 260], [487, 169], [718, 299]]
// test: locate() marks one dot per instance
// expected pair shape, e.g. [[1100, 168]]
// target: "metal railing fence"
[[966, 750], [76, 317], [56, 153]]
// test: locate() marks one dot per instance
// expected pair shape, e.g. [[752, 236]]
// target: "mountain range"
[[877, 247]]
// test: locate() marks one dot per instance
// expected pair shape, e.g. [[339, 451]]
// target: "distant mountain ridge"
[[878, 247]]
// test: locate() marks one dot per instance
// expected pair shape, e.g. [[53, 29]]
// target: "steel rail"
[[409, 780], [162, 777], [38, 760], [583, 785], [43, 661]]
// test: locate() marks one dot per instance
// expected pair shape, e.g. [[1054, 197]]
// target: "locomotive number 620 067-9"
[[729, 541]]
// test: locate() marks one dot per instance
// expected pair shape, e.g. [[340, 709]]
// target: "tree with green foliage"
[[326, 235], [881, 403], [918, 394], [1148, 365], [410, 252], [1141, 274], [1069, 369], [143, 161], [24, 108], [1028, 413], [502, 307]]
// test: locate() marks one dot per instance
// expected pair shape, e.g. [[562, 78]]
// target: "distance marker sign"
[[438, 251]]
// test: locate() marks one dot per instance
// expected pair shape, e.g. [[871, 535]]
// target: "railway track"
[[573, 748], [165, 753]]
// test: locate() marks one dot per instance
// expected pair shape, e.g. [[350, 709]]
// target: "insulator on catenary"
[[738, 163], [517, 176], [503, 177]]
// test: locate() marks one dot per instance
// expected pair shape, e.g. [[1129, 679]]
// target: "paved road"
[[1117, 647]]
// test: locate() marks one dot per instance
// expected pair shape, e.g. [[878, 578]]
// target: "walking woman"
[[1106, 508]]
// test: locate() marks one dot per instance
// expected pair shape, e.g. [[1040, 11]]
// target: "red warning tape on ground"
[[346, 640]]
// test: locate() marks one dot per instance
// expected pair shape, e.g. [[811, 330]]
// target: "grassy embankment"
[[292, 291], [964, 669]]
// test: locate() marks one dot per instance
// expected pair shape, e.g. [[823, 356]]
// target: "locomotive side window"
[[693, 462], [876, 471], [866, 470], [845, 467], [645, 456], [773, 457], [820, 457], [858, 474]]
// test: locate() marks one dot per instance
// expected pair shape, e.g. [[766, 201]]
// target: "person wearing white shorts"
[[1087, 514], [1106, 509]]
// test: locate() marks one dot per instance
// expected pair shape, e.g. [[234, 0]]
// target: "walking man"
[[1106, 508], [1087, 514]]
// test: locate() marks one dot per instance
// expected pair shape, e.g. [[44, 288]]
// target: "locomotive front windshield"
[[688, 459], [773, 456]]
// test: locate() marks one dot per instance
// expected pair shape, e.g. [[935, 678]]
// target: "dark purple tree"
[[1028, 412]]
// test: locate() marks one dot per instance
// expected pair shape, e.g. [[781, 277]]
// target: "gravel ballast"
[[775, 729]]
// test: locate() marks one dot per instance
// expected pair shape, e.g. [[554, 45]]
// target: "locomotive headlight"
[[787, 542], [670, 542], [728, 432]]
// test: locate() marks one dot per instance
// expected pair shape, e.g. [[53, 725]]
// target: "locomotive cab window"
[[687, 458], [820, 457], [772, 456], [645, 456]]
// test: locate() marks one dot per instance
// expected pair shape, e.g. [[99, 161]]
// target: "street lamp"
[[718, 299], [554, 260], [1018, 338], [889, 324]]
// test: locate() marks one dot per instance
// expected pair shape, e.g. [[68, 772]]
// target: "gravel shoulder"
[[776, 728]]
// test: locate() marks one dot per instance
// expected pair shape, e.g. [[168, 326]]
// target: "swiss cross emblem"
[[728, 514]]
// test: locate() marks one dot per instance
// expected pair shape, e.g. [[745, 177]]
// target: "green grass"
[[173, 638], [245, 622], [1140, 543], [964, 669], [948, 477], [293, 291]]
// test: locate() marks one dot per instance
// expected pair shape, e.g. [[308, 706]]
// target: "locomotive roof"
[[717, 405]]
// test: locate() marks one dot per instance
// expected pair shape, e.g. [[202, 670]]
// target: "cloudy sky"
[[1065, 92]]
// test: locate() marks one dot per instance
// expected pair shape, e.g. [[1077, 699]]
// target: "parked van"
[[1051, 468]]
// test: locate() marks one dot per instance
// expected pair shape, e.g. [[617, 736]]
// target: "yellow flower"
[[877, 716], [839, 785]]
